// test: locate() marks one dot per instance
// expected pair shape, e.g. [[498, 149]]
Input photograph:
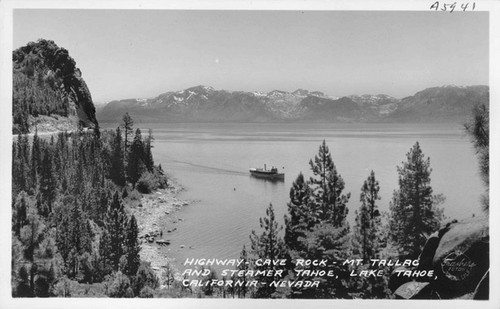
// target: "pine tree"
[[317, 227], [367, 240], [23, 288], [148, 155], [35, 160], [328, 242], [132, 248], [47, 267], [145, 277], [116, 224], [478, 129], [47, 180], [20, 212], [242, 290], [78, 180], [127, 125], [301, 214], [208, 289], [20, 164], [105, 262], [136, 158], [74, 239], [267, 245], [414, 213], [120, 286], [327, 188], [117, 169], [31, 233], [368, 220]]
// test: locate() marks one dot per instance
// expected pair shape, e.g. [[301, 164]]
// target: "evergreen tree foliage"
[[207, 290], [316, 226], [327, 186], [127, 125], [478, 129], [243, 289], [74, 239], [328, 242], [267, 245], [117, 170], [301, 213], [23, 288], [132, 248], [65, 221], [120, 286], [145, 277], [31, 233], [367, 242], [135, 165], [36, 160], [20, 164], [148, 155], [414, 212], [146, 292], [34, 267], [20, 212], [104, 265], [35, 95], [47, 265], [367, 235], [45, 80], [48, 183], [116, 224]]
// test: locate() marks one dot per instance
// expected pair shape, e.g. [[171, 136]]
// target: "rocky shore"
[[154, 208]]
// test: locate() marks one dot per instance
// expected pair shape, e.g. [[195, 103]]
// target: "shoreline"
[[157, 208]]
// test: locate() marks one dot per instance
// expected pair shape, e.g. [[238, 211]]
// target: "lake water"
[[212, 160]]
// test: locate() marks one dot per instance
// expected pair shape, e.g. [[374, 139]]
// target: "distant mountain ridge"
[[445, 103], [206, 104]]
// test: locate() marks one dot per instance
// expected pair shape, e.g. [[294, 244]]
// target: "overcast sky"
[[124, 54]]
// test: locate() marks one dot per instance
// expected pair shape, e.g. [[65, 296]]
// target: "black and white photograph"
[[208, 150]]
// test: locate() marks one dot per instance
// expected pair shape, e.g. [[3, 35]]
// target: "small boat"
[[267, 174]]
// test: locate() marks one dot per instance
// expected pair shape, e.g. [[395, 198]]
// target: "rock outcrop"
[[458, 254], [48, 83]]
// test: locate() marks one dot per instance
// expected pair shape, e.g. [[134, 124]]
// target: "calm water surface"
[[212, 160]]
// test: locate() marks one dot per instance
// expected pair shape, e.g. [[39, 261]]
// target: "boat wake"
[[210, 169]]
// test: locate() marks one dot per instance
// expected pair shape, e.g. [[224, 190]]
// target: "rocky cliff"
[[49, 93]]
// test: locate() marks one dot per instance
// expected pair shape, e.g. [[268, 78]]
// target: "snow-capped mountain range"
[[206, 104]]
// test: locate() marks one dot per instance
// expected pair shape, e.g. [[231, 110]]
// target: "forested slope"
[[49, 88]]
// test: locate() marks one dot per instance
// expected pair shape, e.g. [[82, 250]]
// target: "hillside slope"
[[49, 92], [447, 103]]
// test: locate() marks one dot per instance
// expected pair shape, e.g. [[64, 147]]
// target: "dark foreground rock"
[[459, 256]]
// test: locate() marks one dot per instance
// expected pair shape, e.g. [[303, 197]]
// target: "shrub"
[[146, 183], [119, 286], [151, 181], [135, 196], [145, 277], [65, 287], [146, 292]]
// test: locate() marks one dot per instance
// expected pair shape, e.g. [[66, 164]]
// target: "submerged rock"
[[163, 242]]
